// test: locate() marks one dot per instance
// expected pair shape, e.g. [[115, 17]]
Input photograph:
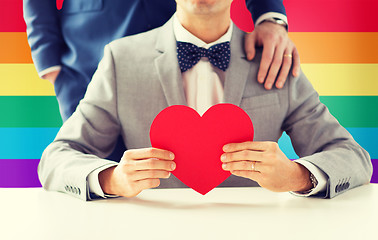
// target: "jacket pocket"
[[77, 6], [260, 101]]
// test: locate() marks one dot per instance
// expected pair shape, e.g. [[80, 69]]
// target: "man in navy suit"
[[68, 44]]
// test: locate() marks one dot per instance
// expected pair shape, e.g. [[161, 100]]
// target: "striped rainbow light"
[[338, 44]]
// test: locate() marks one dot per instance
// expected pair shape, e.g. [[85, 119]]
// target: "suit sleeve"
[[260, 7], [86, 138], [44, 32], [318, 138]]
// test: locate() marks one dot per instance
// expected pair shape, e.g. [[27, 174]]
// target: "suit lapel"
[[238, 70], [167, 66]]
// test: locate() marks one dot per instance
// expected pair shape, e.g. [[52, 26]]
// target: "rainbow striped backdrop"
[[338, 44]]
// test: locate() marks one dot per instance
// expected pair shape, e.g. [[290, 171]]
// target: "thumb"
[[250, 45]]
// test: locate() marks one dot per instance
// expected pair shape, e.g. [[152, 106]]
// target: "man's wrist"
[[270, 15], [304, 182], [51, 77], [104, 178], [49, 70], [277, 21]]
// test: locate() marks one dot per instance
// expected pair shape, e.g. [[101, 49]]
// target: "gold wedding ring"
[[288, 55], [253, 166]]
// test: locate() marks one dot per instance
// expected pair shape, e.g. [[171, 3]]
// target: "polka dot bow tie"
[[189, 54]]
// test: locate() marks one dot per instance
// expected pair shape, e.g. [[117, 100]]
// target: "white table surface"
[[224, 213]]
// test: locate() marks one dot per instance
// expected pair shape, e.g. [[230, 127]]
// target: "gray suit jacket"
[[139, 76]]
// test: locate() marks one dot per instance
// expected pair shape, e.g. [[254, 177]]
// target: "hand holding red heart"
[[177, 128], [139, 169], [272, 169]]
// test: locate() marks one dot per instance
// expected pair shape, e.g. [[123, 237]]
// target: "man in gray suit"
[[141, 75]]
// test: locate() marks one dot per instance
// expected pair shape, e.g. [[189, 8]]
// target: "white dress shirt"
[[203, 87], [203, 83]]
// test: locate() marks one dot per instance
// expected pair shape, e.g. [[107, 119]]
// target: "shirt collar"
[[183, 35]]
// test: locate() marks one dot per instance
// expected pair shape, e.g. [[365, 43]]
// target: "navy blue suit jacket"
[[75, 36]]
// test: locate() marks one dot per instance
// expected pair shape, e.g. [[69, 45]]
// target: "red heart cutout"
[[197, 141]]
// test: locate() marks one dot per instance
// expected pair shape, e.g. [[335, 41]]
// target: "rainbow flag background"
[[338, 45]]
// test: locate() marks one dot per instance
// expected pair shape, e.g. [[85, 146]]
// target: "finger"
[[250, 45], [144, 153], [146, 174], [243, 166], [244, 155], [255, 176], [147, 183], [285, 68], [154, 164], [266, 60], [296, 62], [249, 145], [274, 67]]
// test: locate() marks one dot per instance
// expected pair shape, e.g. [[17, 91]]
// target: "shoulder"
[[135, 44]]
